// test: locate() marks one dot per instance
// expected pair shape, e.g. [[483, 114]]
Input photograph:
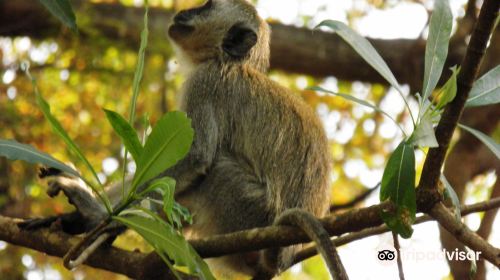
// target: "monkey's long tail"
[[315, 230]]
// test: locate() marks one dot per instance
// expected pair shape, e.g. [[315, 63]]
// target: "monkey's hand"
[[90, 212]]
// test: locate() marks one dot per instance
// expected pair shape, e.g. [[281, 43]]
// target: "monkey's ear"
[[238, 41]]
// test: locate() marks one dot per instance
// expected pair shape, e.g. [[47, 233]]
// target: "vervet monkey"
[[259, 150], [260, 155]]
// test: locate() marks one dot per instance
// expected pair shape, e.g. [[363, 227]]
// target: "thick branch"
[[432, 167], [293, 49], [56, 243], [462, 233], [272, 236], [465, 210]]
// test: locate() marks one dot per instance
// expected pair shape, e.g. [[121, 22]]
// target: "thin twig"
[[353, 202], [399, 259], [81, 246], [88, 251]]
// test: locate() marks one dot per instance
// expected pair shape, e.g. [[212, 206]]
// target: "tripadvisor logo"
[[387, 255]]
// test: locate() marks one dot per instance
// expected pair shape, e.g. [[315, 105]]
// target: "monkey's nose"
[[182, 17]]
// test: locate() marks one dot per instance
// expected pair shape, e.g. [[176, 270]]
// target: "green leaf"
[[126, 132], [423, 135], [436, 49], [486, 90], [62, 10], [451, 195], [359, 101], [59, 130], [449, 90], [140, 64], [16, 151], [488, 141], [166, 187], [166, 240], [398, 186], [367, 52], [181, 213], [363, 48], [168, 190], [168, 142], [473, 262], [399, 221]]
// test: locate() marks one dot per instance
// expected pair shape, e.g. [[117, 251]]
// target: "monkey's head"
[[227, 31]]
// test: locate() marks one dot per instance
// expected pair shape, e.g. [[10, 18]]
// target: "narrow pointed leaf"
[[126, 132], [166, 240], [449, 90], [398, 179], [398, 186], [363, 48], [59, 130], [359, 101], [168, 142], [166, 187], [451, 195], [62, 10], [488, 141], [140, 64], [486, 90], [349, 97], [16, 151], [436, 49]]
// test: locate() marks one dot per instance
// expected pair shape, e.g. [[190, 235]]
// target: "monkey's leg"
[[72, 223], [313, 228], [229, 198]]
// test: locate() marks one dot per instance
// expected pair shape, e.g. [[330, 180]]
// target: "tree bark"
[[469, 158], [293, 49]]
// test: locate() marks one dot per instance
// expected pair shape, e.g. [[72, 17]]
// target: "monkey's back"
[[280, 138], [271, 155]]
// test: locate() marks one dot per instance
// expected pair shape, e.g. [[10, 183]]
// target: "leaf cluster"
[[398, 180]]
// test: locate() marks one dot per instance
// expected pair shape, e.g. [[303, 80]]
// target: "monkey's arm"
[[185, 172], [201, 156]]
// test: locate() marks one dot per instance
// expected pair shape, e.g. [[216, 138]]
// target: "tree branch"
[[348, 238], [429, 195], [297, 50], [399, 258], [354, 201], [462, 233], [468, 72], [57, 243]]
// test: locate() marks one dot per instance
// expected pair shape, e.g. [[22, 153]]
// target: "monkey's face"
[[229, 31]]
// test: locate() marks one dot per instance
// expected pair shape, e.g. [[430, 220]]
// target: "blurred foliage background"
[[80, 78]]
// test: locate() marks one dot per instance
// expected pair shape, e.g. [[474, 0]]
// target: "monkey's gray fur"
[[258, 148]]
